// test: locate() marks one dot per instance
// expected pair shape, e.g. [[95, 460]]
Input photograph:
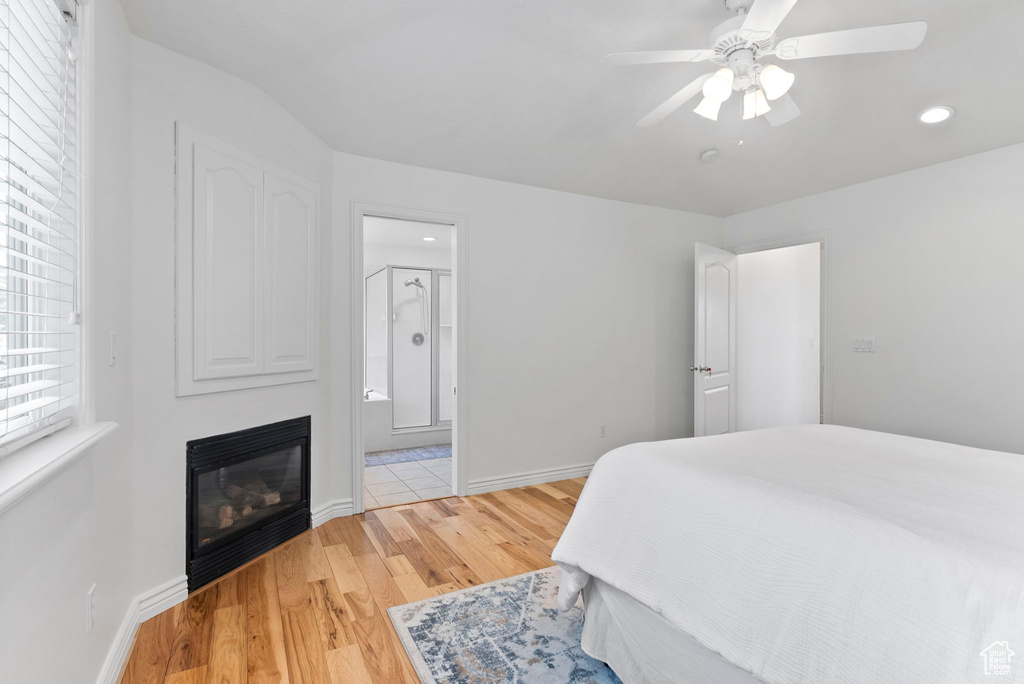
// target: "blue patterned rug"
[[376, 458], [504, 631]]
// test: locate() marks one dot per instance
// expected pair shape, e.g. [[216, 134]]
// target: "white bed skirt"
[[644, 648]]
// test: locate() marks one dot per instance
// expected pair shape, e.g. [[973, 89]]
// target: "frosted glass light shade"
[[708, 108], [776, 81], [754, 103], [719, 86]]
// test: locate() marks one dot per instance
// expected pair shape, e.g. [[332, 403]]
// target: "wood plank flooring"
[[313, 610]]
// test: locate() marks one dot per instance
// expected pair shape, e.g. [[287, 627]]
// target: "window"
[[39, 220]]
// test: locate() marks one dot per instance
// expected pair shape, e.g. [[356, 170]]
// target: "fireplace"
[[246, 493]]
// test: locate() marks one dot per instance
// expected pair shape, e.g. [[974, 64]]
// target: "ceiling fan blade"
[[764, 18], [673, 103], [906, 36], [783, 111], [658, 57]]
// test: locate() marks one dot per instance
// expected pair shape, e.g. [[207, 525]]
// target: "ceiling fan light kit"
[[754, 103], [775, 81], [708, 108], [719, 86], [738, 44]]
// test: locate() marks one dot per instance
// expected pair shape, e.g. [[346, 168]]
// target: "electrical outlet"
[[90, 607], [602, 431]]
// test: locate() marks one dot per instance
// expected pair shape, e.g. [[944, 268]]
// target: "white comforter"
[[814, 554]]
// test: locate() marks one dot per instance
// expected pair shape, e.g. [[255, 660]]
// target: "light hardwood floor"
[[313, 609]]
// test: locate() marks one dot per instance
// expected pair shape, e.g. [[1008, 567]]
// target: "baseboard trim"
[[119, 651], [168, 595], [142, 607], [339, 508], [532, 477]]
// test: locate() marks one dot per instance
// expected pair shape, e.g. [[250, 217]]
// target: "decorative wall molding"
[[339, 508], [142, 607], [532, 477], [247, 278]]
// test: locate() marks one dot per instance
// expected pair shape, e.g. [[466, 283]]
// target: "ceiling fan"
[[738, 44]]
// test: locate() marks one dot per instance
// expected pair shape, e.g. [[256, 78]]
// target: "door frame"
[[827, 240], [435, 330], [457, 222]]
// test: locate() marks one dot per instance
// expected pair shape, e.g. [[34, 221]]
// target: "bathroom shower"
[[409, 344], [419, 337]]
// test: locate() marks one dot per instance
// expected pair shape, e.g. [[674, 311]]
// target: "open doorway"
[[778, 337], [761, 335], [408, 359]]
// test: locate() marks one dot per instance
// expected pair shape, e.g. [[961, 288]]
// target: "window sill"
[[31, 466]]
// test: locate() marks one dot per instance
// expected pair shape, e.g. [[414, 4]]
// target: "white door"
[[714, 368]]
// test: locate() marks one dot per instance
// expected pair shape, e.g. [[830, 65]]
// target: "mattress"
[[813, 553]]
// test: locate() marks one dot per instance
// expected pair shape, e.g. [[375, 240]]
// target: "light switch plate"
[[864, 344]]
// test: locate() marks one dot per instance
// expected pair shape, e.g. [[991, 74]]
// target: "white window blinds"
[[39, 364]]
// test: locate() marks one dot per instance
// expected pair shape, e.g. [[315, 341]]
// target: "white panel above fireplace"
[[227, 226], [247, 269], [291, 213]]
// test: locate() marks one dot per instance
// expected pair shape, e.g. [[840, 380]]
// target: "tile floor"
[[424, 453], [401, 483]]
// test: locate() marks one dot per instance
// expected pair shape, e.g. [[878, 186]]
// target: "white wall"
[[929, 263], [168, 88], [76, 529], [376, 257], [778, 355], [580, 312]]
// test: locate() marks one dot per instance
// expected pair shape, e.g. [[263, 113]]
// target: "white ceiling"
[[399, 233], [514, 90]]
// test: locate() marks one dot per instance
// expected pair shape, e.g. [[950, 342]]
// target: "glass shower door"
[[411, 362], [376, 332]]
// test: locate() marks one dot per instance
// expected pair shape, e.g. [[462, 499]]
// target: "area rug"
[[377, 458], [504, 631]]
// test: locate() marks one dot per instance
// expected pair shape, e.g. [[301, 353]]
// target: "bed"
[[817, 554]]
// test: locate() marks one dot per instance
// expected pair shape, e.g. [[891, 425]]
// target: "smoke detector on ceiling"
[[708, 156]]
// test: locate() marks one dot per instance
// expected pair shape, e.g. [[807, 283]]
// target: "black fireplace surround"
[[246, 492]]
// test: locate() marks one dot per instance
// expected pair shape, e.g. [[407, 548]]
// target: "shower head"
[[414, 281]]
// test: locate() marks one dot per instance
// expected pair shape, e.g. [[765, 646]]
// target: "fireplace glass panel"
[[248, 493]]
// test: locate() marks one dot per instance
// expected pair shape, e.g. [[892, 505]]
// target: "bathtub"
[[377, 422], [378, 434]]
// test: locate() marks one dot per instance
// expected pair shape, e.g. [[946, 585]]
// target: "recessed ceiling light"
[[430, 238], [936, 114]]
